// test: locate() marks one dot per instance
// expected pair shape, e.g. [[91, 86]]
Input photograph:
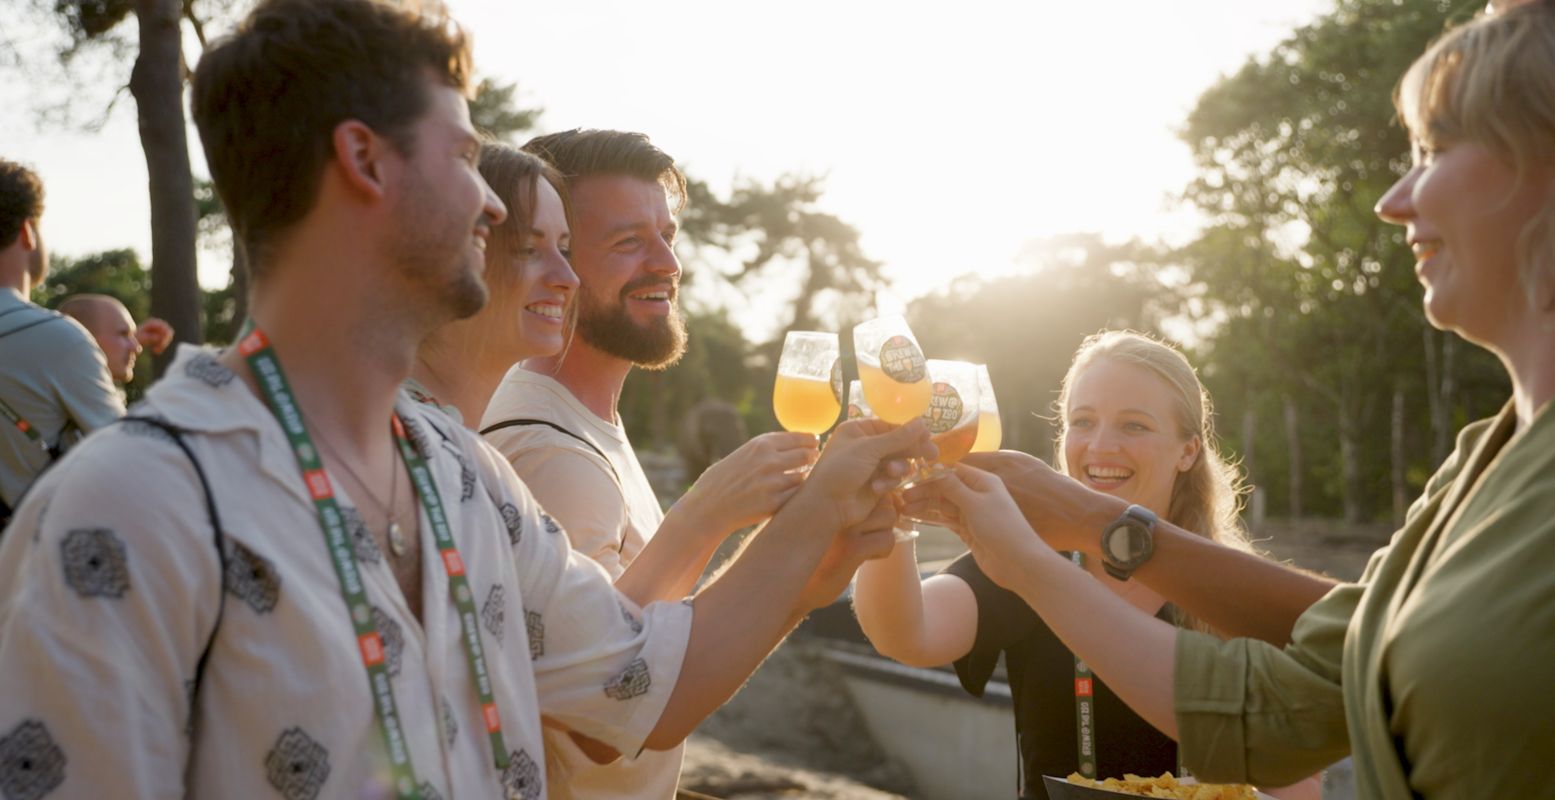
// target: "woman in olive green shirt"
[[1432, 668]]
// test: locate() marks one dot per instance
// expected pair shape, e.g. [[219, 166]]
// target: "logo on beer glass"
[[901, 360], [945, 408]]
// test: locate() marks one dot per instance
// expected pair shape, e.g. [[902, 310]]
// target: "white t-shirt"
[[609, 510], [111, 588]]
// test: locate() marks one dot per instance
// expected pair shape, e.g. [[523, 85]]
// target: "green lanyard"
[[1084, 705], [23, 425], [255, 347], [1085, 709]]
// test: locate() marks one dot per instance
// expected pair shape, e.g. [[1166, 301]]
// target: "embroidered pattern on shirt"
[[31, 764], [362, 543], [205, 368], [514, 521], [550, 524], [536, 630], [252, 578], [95, 563], [493, 613], [522, 777], [393, 640], [297, 766], [450, 722], [631, 619], [632, 682]]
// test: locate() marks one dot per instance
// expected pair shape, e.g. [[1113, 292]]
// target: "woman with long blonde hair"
[[1134, 423]]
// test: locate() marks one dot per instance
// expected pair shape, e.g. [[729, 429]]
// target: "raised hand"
[[154, 334], [988, 521], [1068, 515], [753, 482], [870, 539], [865, 459]]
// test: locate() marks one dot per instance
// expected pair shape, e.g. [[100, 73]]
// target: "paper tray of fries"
[[1134, 786]]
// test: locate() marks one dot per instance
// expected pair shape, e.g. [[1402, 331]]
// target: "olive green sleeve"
[[1250, 712]]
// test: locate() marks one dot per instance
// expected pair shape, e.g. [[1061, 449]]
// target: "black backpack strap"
[[176, 433], [25, 325], [519, 423]]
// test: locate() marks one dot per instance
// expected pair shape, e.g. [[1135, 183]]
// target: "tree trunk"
[[1400, 487], [1293, 452], [1349, 457], [1249, 439], [157, 85]]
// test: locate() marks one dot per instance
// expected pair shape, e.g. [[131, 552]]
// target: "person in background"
[[1136, 424], [54, 382], [1423, 668], [115, 331], [555, 417]]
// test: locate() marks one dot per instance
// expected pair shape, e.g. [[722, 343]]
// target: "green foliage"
[[718, 363], [781, 229], [1311, 296], [495, 111], [89, 19], [116, 273]]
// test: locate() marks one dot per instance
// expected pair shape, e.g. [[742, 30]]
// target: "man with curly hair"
[[54, 383]]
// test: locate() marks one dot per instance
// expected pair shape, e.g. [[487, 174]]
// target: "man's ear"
[[359, 155], [29, 235]]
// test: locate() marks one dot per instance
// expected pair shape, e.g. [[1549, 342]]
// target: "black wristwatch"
[[1129, 542]]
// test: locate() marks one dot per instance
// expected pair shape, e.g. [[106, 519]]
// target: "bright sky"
[[951, 134]]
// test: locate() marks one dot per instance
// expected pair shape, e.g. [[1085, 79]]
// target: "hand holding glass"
[[858, 408]]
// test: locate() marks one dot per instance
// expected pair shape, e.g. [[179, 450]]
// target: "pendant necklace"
[[397, 544]]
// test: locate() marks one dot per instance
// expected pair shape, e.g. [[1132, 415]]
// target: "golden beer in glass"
[[807, 396]]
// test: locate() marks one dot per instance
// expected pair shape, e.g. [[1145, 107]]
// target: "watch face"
[[1125, 543], [1117, 545]]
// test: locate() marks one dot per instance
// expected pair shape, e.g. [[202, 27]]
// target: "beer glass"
[[858, 408], [891, 367], [808, 393], [990, 433], [952, 415]]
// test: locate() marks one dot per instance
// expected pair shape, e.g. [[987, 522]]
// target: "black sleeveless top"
[[1041, 676]]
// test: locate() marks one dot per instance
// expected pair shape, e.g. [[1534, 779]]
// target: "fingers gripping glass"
[[858, 408]]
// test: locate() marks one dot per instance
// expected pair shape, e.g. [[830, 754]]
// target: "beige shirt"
[[111, 590], [52, 374], [609, 511]]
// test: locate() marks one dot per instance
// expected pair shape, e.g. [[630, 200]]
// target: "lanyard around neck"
[[1085, 709], [262, 360]]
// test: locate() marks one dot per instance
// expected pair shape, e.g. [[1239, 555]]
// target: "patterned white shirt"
[[134, 668]]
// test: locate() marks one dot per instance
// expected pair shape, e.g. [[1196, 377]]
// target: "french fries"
[[1168, 786]]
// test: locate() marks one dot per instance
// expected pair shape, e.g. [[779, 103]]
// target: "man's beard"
[[608, 328]]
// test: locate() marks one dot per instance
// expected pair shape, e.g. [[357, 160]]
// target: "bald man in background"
[[115, 331]]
